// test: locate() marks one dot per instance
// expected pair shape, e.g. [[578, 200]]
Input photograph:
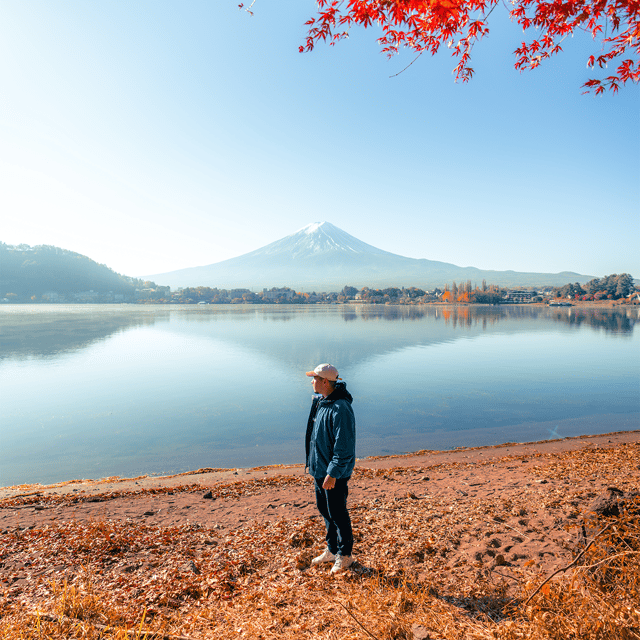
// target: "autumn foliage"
[[117, 579], [426, 25]]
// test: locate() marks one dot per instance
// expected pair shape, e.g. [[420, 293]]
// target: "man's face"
[[321, 385]]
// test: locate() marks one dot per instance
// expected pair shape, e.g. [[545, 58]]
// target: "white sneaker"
[[341, 563], [326, 556]]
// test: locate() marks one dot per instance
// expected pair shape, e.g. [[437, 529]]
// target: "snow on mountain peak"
[[311, 228], [316, 239]]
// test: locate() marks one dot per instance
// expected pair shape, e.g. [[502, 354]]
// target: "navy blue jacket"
[[330, 441]]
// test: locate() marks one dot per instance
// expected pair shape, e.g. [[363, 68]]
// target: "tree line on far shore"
[[612, 287], [49, 274], [285, 295]]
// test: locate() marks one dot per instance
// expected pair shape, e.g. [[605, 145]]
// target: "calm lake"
[[93, 391]]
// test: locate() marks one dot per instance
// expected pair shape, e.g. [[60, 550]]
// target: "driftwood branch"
[[358, 622], [571, 564], [609, 558]]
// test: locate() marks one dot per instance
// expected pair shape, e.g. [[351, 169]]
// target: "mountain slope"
[[31, 271], [322, 257]]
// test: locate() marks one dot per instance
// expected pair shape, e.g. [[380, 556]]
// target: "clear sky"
[[157, 135]]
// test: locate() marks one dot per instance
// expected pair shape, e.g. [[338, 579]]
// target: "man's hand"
[[329, 483]]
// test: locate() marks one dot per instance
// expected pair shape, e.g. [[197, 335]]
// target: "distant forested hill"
[[30, 272]]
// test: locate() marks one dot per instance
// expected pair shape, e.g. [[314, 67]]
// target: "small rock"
[[149, 513], [608, 504], [208, 495], [500, 560], [192, 566]]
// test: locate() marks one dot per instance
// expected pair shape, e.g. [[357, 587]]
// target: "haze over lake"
[[93, 391]]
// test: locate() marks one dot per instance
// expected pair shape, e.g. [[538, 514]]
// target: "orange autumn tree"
[[426, 25]]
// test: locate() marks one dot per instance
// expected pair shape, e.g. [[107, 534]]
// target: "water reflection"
[[620, 322], [102, 390], [44, 331]]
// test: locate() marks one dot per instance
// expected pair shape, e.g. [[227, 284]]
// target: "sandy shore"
[[221, 553], [239, 496]]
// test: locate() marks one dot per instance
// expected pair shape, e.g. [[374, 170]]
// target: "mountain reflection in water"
[[45, 331], [97, 390]]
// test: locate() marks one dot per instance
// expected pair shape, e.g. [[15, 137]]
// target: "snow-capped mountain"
[[322, 257], [318, 238]]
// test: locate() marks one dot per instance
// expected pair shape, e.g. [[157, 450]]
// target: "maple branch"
[[247, 9], [488, 14], [403, 70], [571, 564]]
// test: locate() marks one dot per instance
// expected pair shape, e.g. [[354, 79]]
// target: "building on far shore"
[[275, 294], [518, 297]]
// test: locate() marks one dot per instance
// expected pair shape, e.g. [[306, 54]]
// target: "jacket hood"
[[339, 393]]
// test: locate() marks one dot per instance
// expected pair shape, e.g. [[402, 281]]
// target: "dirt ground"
[[224, 500]]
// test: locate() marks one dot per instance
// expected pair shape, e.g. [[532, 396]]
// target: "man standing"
[[331, 455]]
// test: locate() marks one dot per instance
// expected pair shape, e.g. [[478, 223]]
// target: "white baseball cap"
[[325, 370]]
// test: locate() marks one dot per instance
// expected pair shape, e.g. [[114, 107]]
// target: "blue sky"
[[153, 136]]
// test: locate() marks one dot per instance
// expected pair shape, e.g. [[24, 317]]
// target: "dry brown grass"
[[119, 579]]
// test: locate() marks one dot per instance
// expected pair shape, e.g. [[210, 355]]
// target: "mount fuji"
[[322, 257]]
